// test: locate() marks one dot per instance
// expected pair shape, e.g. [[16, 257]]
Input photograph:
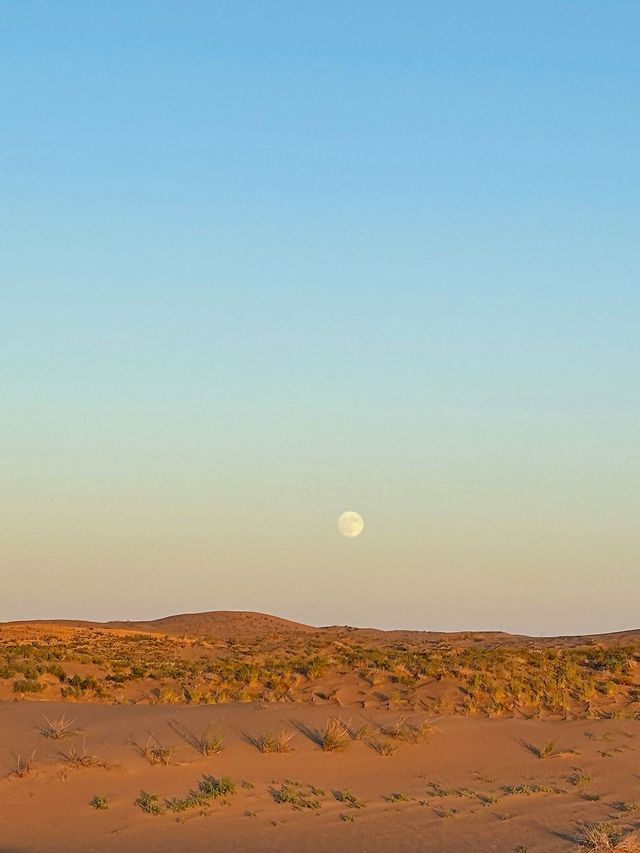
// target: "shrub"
[[291, 793], [213, 788], [149, 803], [27, 686]]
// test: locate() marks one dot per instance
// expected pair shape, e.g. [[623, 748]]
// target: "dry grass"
[[548, 750], [210, 744], [336, 736], [578, 777], [409, 732], [78, 758], [384, 747], [58, 729], [362, 733], [604, 837], [280, 742], [156, 753], [23, 766], [349, 799]]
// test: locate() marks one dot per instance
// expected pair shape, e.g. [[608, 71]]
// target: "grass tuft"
[[23, 766], [280, 742], [156, 753], [336, 736], [58, 729], [78, 758], [210, 744], [384, 747]]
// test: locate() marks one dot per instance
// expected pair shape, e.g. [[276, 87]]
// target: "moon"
[[351, 524]]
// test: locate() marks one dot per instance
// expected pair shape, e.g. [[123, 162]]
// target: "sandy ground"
[[450, 793], [473, 780]]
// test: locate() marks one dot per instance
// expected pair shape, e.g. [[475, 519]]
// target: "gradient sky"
[[262, 262]]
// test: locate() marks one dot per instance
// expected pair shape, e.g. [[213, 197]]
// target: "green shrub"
[[27, 686]]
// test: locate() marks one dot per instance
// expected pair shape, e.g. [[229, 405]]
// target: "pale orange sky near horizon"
[[455, 558]]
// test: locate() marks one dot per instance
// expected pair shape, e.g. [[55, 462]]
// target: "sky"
[[265, 262]]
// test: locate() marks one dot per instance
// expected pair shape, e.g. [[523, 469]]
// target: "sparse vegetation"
[[548, 750], [23, 766], [577, 777], [210, 744], [209, 788], [58, 729], [350, 681], [336, 736], [409, 732], [606, 836], [528, 790], [149, 803], [213, 788], [384, 747], [587, 679], [280, 742], [626, 806], [156, 753], [78, 758], [423, 679], [297, 796], [438, 791], [25, 685], [397, 797], [362, 733], [349, 799]]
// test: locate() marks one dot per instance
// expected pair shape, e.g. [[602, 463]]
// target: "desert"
[[319, 419], [242, 731]]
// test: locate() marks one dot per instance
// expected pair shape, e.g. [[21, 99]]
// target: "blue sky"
[[264, 262]]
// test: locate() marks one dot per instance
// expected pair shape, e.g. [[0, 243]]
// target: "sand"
[[469, 783]]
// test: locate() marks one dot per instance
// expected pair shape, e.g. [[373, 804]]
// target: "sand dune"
[[218, 623], [448, 743], [242, 623], [472, 785]]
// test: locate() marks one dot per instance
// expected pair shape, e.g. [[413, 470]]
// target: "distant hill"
[[217, 623], [240, 624]]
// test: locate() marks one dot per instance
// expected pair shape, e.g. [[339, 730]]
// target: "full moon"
[[351, 524]]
